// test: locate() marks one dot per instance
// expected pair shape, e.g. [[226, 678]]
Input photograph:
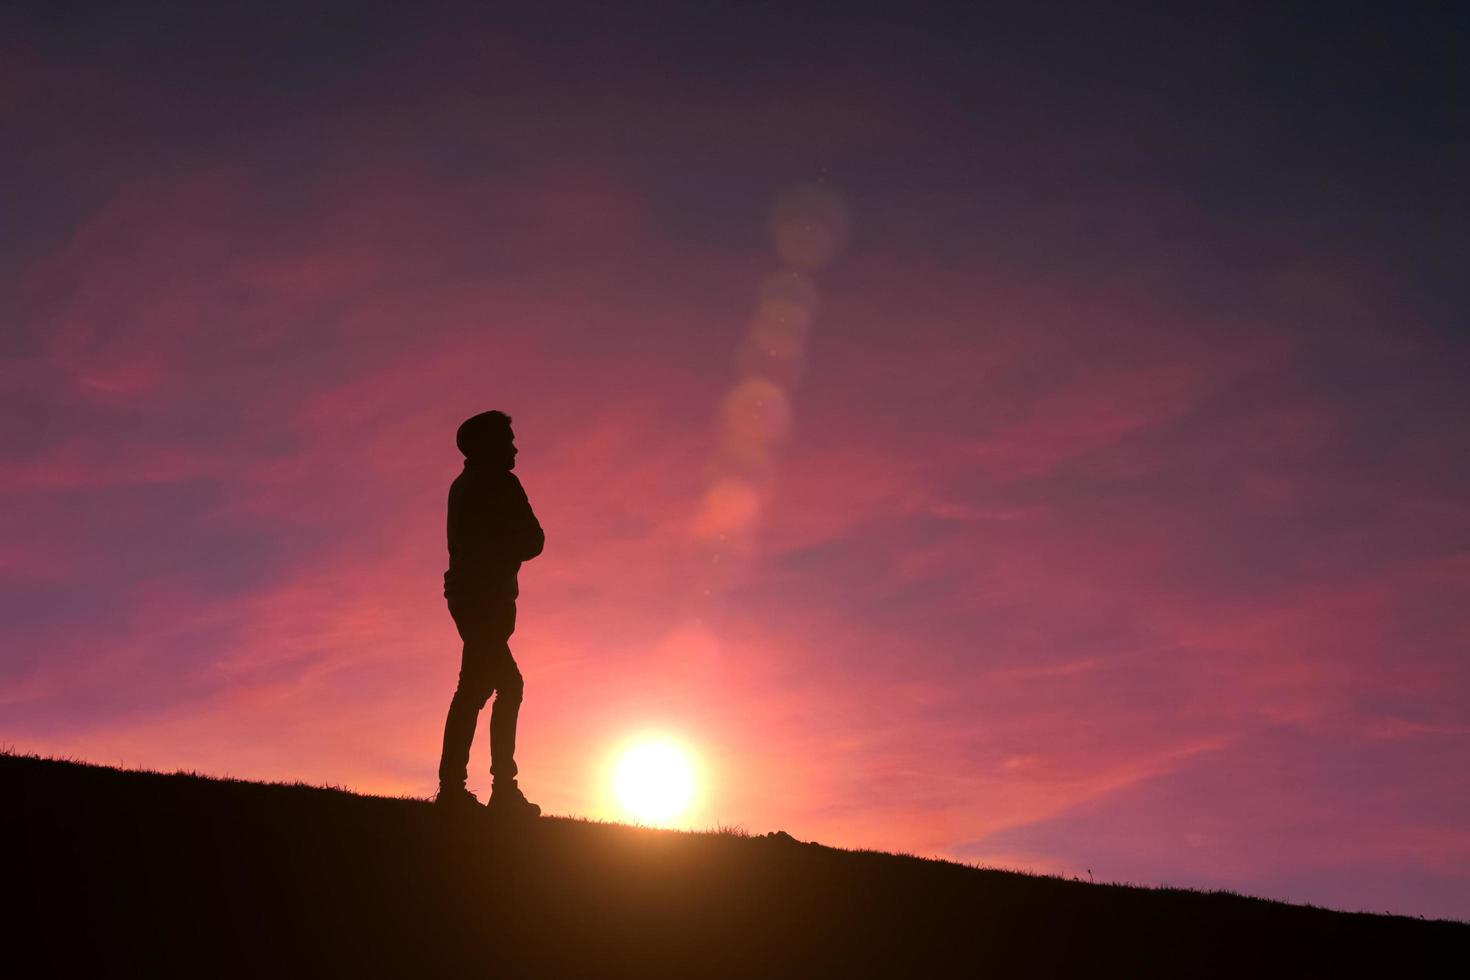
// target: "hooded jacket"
[[491, 531]]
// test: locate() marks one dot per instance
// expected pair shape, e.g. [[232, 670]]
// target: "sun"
[[653, 781]]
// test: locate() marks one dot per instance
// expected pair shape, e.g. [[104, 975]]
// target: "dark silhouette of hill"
[[148, 874]]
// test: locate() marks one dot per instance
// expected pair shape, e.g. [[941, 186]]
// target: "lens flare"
[[789, 294], [756, 411], [729, 507], [810, 226]]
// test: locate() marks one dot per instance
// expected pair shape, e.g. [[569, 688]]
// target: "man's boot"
[[456, 799], [507, 801]]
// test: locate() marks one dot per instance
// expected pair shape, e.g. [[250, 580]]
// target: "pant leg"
[[470, 696], [486, 666], [509, 688]]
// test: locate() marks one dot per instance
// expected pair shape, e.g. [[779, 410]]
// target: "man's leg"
[[476, 681], [509, 688], [506, 798]]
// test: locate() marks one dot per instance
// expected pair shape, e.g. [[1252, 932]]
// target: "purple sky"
[[1037, 442]]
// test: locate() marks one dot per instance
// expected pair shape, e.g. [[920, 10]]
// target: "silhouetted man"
[[492, 529]]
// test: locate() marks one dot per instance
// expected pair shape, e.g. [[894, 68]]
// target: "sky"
[[1036, 438]]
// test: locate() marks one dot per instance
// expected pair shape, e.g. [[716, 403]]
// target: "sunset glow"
[[1031, 438]]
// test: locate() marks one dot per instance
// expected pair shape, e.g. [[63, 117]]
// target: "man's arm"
[[527, 538]]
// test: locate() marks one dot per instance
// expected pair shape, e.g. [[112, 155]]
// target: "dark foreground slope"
[[148, 874]]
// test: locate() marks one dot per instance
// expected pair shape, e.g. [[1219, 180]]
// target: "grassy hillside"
[[148, 874]]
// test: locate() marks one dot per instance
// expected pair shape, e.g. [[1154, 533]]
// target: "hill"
[[150, 874]]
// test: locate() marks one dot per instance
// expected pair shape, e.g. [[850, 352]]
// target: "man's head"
[[487, 438]]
